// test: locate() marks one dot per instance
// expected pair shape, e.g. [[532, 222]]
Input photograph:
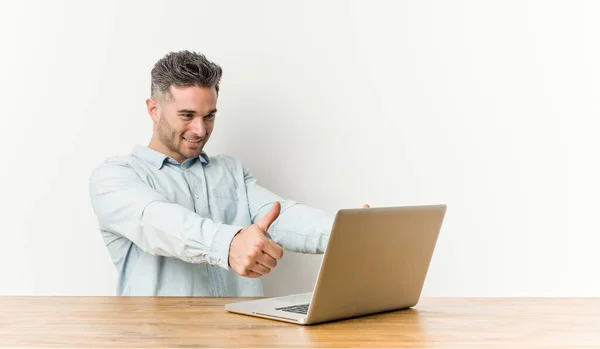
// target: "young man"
[[177, 222]]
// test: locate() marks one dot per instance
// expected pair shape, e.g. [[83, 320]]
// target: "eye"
[[187, 115], [210, 117]]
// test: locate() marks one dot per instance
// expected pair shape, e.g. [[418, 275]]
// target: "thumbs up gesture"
[[251, 253]]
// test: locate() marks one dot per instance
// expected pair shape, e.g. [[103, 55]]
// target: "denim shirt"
[[168, 226]]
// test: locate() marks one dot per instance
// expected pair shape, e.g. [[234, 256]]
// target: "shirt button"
[[197, 197]]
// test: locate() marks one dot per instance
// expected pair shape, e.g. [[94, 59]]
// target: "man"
[[177, 222]]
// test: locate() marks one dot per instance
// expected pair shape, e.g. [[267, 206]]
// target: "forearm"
[[301, 228], [170, 230]]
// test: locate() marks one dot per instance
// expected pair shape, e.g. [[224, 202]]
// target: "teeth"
[[195, 141]]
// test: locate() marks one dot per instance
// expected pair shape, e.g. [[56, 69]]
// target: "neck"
[[158, 146]]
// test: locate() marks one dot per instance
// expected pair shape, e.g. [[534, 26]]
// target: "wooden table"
[[111, 322]]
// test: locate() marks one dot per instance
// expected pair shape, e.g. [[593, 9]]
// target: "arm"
[[127, 206], [299, 228]]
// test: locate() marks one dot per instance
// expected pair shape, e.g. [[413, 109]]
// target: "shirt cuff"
[[219, 247]]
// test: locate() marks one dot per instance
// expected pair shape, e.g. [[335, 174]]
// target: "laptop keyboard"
[[298, 309]]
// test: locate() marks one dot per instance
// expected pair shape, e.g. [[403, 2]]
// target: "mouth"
[[193, 141]]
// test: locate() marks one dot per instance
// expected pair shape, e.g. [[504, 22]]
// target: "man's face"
[[183, 124]]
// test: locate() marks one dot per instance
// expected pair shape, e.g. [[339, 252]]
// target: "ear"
[[153, 109]]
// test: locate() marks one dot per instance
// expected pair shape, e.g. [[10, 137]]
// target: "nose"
[[198, 127]]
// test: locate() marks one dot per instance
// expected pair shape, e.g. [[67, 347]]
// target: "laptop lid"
[[376, 260]]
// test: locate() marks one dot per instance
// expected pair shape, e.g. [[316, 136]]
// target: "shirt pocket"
[[226, 200]]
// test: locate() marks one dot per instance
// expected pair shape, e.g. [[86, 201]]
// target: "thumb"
[[265, 222]]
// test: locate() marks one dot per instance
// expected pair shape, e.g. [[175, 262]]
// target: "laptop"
[[376, 261]]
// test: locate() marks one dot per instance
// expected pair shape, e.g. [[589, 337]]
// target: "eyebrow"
[[189, 111]]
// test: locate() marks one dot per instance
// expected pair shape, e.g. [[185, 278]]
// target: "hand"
[[251, 253], [366, 206]]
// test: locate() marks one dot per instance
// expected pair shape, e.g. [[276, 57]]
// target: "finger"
[[366, 206], [259, 269], [273, 250], [267, 260], [265, 222], [252, 274], [245, 271]]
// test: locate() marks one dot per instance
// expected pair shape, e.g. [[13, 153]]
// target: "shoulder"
[[116, 166]]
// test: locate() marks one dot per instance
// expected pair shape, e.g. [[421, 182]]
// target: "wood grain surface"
[[171, 322]]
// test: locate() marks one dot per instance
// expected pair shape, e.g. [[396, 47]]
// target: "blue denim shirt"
[[168, 226]]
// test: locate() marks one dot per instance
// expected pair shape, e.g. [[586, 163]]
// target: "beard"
[[174, 141]]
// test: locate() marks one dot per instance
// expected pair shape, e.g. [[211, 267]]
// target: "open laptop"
[[376, 260]]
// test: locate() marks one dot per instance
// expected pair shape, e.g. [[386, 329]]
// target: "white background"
[[490, 107]]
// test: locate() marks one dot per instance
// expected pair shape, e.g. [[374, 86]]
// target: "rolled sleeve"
[[219, 248]]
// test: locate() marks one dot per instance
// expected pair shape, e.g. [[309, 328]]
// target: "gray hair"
[[183, 68]]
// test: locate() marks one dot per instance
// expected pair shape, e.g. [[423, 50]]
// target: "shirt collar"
[[157, 159]]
